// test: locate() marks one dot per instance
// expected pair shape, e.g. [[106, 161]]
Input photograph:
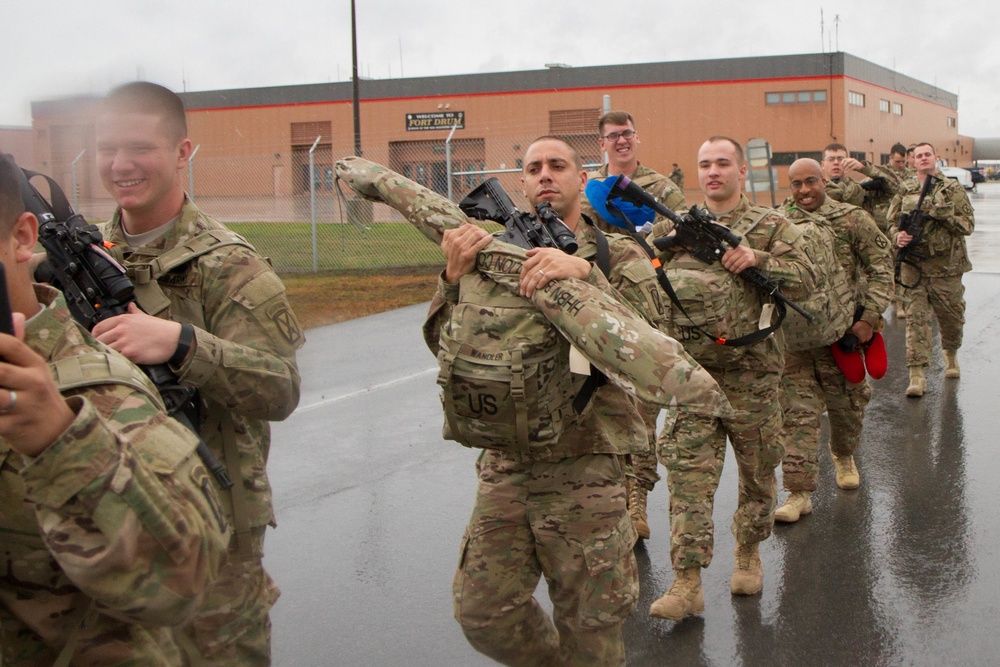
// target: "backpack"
[[505, 372], [831, 302]]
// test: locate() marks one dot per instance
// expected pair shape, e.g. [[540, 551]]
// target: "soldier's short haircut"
[[149, 98], [897, 149], [577, 160], [909, 150], [614, 118], [925, 143], [834, 147], [740, 157], [11, 206]]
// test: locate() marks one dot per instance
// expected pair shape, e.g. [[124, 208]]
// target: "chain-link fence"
[[291, 210]]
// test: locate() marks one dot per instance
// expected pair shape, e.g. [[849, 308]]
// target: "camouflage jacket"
[[876, 202], [614, 425], [952, 219], [115, 521], [863, 252], [781, 255], [677, 176], [243, 359], [846, 190], [656, 184]]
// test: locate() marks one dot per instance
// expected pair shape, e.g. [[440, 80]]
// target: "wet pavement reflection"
[[371, 505]]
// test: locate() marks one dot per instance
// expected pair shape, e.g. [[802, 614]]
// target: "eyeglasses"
[[835, 158], [613, 136]]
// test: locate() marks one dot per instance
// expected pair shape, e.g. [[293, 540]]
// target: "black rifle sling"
[[661, 277], [596, 378]]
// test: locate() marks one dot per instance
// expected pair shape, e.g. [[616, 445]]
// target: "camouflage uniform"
[[560, 513], [642, 465], [113, 531], [876, 202], [243, 364], [677, 176], [940, 292], [812, 381], [692, 447], [846, 190], [558, 510]]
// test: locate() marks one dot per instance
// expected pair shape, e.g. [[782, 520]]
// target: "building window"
[[883, 105], [860, 156], [951, 122], [855, 99], [784, 159], [795, 97], [897, 109], [885, 159]]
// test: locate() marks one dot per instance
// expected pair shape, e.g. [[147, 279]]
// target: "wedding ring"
[[11, 405]]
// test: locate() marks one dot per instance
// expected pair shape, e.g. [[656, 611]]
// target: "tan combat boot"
[[637, 508], [685, 597], [847, 473], [797, 505], [748, 575], [918, 383], [951, 369]]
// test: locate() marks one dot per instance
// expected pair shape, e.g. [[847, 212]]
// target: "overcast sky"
[[57, 48]]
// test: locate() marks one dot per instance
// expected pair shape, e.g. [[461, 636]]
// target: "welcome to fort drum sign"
[[439, 120]]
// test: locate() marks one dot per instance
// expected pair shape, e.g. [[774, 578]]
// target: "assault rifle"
[[96, 287], [489, 201], [913, 223], [707, 240]]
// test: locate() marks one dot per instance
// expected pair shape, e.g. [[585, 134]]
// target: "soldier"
[[218, 315], [617, 137], [899, 161], [838, 186], [932, 278], [677, 176], [692, 447], [812, 381], [109, 528], [909, 158], [881, 186], [559, 511]]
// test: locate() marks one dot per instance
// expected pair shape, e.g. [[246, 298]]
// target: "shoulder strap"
[[145, 274], [596, 377], [183, 253], [96, 368]]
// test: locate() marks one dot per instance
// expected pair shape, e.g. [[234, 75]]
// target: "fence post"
[[607, 109], [191, 172], [76, 189], [447, 156], [312, 201]]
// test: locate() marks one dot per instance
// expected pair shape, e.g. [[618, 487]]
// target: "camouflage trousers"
[[564, 520], [812, 382], [232, 626], [642, 466], [693, 449], [941, 297]]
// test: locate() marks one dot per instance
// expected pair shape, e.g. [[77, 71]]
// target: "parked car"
[[977, 175], [961, 175]]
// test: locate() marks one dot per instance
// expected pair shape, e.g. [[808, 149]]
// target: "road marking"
[[367, 390]]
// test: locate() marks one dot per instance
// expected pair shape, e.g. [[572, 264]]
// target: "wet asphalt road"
[[371, 504]]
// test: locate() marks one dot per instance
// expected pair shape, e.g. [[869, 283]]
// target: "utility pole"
[[354, 65]]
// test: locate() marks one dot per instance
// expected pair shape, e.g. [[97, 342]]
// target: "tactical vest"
[[505, 372], [153, 300], [715, 300], [97, 368], [831, 302]]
